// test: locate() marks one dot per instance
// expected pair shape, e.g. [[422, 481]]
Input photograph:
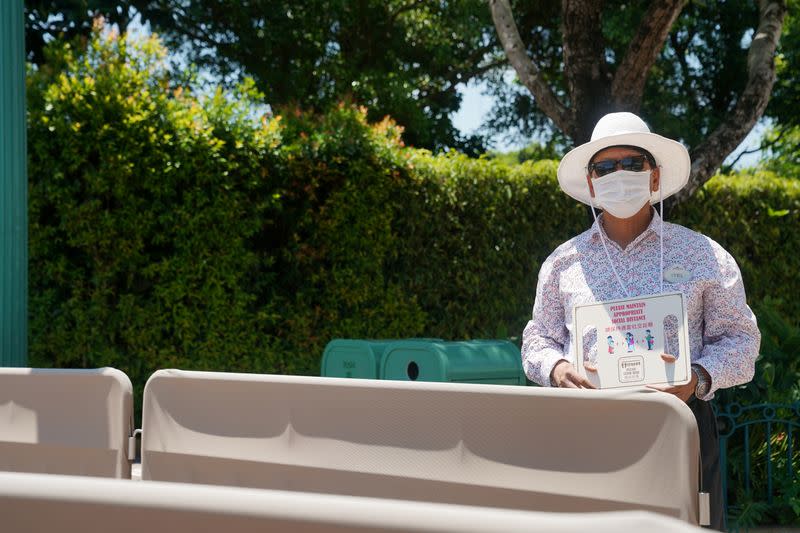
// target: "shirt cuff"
[[710, 391], [550, 360]]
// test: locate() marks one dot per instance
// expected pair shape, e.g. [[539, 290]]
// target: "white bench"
[[59, 421], [71, 504], [498, 446]]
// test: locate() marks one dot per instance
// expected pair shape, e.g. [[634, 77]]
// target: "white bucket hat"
[[626, 129]]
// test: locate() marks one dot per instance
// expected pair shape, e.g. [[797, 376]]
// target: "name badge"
[[677, 274]]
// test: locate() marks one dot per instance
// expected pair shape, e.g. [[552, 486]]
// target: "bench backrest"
[[59, 421], [67, 504], [500, 446]]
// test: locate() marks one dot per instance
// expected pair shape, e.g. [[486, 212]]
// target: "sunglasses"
[[606, 166]]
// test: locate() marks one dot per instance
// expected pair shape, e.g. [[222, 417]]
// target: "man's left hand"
[[684, 392]]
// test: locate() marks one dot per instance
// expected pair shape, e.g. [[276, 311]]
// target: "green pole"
[[13, 188]]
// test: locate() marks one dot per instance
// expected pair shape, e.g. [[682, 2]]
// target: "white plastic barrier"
[[498, 446], [65, 421], [67, 504]]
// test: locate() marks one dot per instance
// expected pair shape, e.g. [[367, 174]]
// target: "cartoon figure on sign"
[[610, 341], [650, 340], [629, 339]]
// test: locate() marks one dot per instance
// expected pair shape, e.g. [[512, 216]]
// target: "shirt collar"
[[654, 227]]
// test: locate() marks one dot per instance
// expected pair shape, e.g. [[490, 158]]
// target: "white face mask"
[[623, 192]]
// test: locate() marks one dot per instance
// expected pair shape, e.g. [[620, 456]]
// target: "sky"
[[475, 107]]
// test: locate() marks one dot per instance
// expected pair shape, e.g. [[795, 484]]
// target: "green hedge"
[[173, 230], [146, 206]]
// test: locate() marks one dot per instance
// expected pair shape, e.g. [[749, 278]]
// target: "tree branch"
[[760, 148], [476, 57], [529, 74], [405, 7], [710, 154], [453, 81], [477, 71], [643, 50]]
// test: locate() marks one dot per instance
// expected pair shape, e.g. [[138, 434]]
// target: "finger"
[[669, 358], [589, 366], [582, 382], [568, 384]]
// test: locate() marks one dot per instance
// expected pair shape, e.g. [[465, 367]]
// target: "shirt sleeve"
[[546, 334], [731, 338]]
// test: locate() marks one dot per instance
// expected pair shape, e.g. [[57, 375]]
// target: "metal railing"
[[763, 437]]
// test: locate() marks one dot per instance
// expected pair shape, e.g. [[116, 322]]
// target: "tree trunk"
[[710, 154], [585, 68]]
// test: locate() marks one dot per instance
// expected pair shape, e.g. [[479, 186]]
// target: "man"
[[629, 252]]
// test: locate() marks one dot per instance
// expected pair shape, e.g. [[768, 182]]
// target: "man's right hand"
[[564, 375]]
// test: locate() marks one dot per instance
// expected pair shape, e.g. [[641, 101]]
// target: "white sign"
[[631, 334]]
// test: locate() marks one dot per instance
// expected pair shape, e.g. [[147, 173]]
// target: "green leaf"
[[777, 213]]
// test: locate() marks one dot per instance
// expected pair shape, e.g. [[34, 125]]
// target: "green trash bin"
[[476, 361], [353, 358]]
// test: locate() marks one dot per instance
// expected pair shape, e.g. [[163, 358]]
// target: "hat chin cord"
[[661, 241]]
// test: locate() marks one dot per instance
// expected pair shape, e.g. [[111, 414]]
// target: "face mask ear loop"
[[661, 208], [605, 247]]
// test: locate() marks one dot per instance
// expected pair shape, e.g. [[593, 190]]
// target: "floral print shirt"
[[723, 335]]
